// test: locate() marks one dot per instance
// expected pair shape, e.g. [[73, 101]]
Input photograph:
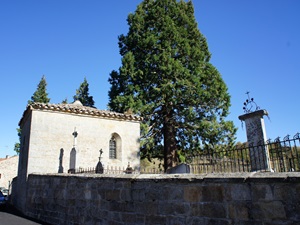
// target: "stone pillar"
[[256, 137]]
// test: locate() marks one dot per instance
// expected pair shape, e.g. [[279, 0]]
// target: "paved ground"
[[10, 216]]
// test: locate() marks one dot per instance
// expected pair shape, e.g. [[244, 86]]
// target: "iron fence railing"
[[107, 170], [116, 170], [277, 156]]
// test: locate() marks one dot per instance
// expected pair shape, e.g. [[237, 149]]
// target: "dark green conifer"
[[166, 77], [82, 94], [40, 95]]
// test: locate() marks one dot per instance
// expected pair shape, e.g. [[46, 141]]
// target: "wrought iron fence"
[[277, 155], [116, 170], [107, 170]]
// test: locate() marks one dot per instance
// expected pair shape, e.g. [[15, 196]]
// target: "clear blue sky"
[[254, 44]]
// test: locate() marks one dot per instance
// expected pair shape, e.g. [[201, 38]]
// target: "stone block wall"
[[256, 198], [8, 170]]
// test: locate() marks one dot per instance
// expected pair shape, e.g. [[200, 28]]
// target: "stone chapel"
[[59, 138]]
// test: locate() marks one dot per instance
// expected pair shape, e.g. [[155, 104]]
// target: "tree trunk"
[[169, 143]]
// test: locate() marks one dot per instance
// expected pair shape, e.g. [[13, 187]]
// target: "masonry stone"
[[262, 192], [239, 211], [251, 200], [239, 192], [272, 210], [256, 138]]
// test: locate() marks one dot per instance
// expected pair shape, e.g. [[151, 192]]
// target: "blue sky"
[[254, 44]]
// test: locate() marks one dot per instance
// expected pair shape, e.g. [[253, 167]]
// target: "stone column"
[[256, 137]]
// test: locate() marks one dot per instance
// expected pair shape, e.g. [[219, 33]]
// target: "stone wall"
[[8, 170], [256, 198]]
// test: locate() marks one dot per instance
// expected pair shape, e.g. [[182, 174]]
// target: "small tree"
[[82, 94], [65, 101], [17, 144], [40, 95]]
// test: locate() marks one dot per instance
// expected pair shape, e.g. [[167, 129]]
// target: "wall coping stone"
[[219, 177]]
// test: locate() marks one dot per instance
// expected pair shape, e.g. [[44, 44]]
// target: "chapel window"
[[112, 148]]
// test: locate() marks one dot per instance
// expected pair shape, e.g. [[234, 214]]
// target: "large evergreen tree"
[[82, 94], [40, 95], [167, 78]]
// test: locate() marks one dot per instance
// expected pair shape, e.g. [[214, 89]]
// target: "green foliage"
[[65, 101], [17, 147], [17, 144], [40, 95], [166, 77], [82, 94]]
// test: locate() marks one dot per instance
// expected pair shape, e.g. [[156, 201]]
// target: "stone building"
[[59, 138], [8, 170]]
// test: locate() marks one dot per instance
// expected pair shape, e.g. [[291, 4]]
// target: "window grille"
[[112, 148]]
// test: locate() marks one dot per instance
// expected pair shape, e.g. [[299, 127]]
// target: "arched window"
[[112, 148], [115, 147]]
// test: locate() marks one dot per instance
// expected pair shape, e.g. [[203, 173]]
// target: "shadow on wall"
[[133, 157], [61, 156]]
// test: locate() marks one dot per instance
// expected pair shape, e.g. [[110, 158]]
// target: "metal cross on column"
[[100, 154]]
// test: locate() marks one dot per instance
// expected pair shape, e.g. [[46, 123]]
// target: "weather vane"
[[250, 105]]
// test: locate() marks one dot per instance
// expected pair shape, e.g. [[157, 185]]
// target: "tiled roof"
[[7, 157], [78, 108]]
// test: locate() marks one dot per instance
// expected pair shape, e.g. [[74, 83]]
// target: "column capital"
[[258, 113]]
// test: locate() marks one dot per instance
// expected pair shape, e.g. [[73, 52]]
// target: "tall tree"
[[40, 95], [167, 78], [82, 94]]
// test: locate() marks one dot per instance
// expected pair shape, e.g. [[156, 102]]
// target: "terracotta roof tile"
[[76, 108]]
